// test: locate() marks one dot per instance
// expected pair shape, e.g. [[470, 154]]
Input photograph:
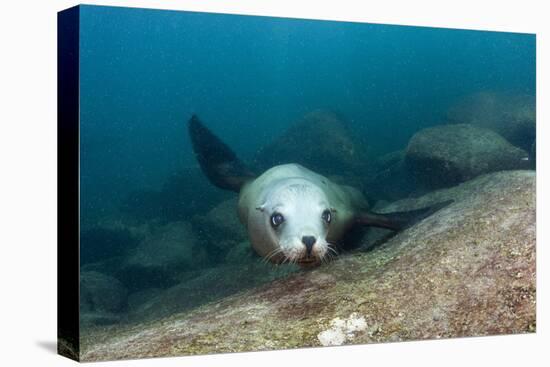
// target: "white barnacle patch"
[[332, 336], [341, 330]]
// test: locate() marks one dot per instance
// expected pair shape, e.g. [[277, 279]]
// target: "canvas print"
[[236, 183]]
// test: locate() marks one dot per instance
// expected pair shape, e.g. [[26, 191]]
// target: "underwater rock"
[[113, 231], [183, 195], [220, 229], [511, 115], [223, 221], [110, 266], [241, 253], [321, 141], [375, 236], [389, 160], [100, 243], [208, 285], [156, 262], [91, 319], [136, 299], [447, 155], [101, 298], [390, 179], [467, 270], [189, 193], [353, 181]]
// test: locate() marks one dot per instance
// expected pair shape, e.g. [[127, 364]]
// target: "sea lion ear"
[[261, 207]]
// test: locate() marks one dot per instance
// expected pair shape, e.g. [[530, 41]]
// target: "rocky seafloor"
[[467, 270]]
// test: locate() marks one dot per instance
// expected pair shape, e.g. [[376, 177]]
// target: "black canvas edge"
[[68, 216]]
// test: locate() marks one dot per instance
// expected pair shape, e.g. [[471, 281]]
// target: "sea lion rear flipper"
[[217, 161], [399, 220]]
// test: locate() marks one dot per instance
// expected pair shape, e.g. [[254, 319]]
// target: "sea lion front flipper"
[[399, 220], [218, 162]]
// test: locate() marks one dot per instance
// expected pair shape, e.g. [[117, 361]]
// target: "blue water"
[[145, 72]]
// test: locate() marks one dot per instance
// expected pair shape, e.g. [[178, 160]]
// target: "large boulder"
[[102, 298], [511, 115], [447, 155], [321, 141], [467, 270], [158, 259]]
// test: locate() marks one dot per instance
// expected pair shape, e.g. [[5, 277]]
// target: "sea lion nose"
[[309, 241]]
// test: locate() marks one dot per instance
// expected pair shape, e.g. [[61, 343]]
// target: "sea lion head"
[[292, 222]]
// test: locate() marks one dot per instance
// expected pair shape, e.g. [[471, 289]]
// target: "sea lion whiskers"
[[271, 254], [331, 248], [328, 256]]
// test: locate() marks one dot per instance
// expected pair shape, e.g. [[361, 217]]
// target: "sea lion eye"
[[327, 216], [277, 219]]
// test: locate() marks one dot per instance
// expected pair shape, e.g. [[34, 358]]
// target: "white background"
[[28, 181]]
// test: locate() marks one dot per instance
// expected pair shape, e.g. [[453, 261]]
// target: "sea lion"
[[291, 213]]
